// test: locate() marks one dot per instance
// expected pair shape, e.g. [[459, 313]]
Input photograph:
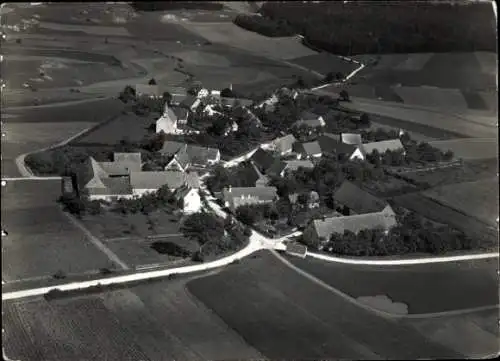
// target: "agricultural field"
[[422, 288], [86, 29], [477, 199], [470, 148], [41, 241], [426, 96], [132, 237], [325, 63], [286, 316], [234, 36], [486, 236], [156, 321]]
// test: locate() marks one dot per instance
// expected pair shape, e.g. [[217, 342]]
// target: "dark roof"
[[357, 199], [309, 148], [233, 101], [200, 155], [330, 145], [182, 157], [189, 100], [262, 159], [306, 115], [171, 147], [277, 167], [180, 113], [247, 175]]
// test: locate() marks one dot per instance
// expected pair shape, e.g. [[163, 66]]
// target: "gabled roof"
[[351, 138], [310, 122], [247, 175], [200, 155], [383, 146], [182, 192], [182, 157], [337, 137], [193, 179], [276, 168], [285, 143], [262, 193], [150, 180], [296, 164], [117, 186], [325, 228], [309, 148], [90, 174], [262, 159], [123, 164], [331, 145], [171, 147], [180, 113], [357, 199]]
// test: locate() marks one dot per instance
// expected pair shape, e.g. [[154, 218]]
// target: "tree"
[[204, 227], [247, 214], [226, 93], [127, 94], [364, 119], [152, 81], [344, 95], [167, 97]]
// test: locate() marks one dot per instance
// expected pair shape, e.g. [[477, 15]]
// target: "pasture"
[[234, 36], [132, 236], [470, 148], [286, 316], [156, 321], [41, 241], [424, 288], [478, 199]]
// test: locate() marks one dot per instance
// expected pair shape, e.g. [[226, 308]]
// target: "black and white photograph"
[[243, 180]]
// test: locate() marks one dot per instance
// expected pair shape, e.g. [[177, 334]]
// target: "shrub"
[[59, 275]]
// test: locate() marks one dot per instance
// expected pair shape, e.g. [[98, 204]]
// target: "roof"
[[357, 199], [285, 143], [262, 193], [296, 164], [90, 174], [182, 156], [180, 113], [308, 115], [351, 138], [193, 179], [277, 167], [248, 174], [200, 155], [147, 89], [310, 122], [123, 164], [325, 228], [189, 100], [296, 248], [233, 101], [183, 191], [262, 159], [309, 148], [337, 137], [117, 186], [331, 145], [170, 147], [383, 146], [150, 180]]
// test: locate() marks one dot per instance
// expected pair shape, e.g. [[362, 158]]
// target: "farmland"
[[423, 288], [470, 148], [41, 241], [477, 199], [284, 315], [158, 321], [325, 63]]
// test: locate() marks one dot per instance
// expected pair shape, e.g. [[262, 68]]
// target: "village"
[[325, 174]]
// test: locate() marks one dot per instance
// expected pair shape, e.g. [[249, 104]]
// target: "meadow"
[[470, 148]]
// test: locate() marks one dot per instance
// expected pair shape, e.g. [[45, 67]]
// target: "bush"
[[59, 275], [247, 231]]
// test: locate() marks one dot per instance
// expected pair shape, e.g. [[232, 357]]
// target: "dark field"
[[41, 241], [423, 288], [286, 316], [158, 321]]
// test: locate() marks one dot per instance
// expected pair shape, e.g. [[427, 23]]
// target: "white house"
[[189, 198], [167, 123]]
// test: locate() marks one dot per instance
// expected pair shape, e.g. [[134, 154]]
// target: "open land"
[[41, 241], [325, 63], [423, 288], [469, 148], [477, 199]]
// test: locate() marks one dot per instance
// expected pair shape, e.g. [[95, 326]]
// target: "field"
[[234, 36], [286, 316], [325, 63], [132, 236], [41, 241], [470, 148], [477, 199], [87, 29], [486, 236], [158, 321], [423, 288]]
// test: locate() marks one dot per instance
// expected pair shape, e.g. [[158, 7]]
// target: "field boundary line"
[[403, 262], [96, 242]]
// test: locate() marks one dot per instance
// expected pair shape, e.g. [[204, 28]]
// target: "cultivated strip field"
[[158, 321], [451, 99], [325, 63], [286, 316], [477, 199], [470, 148], [424, 289]]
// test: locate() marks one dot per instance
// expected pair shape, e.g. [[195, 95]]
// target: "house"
[[352, 138], [170, 148], [167, 123], [182, 114], [191, 102], [122, 165], [180, 161], [284, 145], [250, 176], [334, 145], [235, 197], [310, 119], [148, 182], [188, 198], [280, 168], [296, 249], [383, 146], [322, 229], [186, 155], [354, 200], [151, 91], [262, 159], [307, 150]]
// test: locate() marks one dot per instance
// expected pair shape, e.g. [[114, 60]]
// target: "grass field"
[[41, 241], [477, 199], [451, 99], [159, 321], [286, 316], [325, 63], [470, 148], [424, 289], [486, 236]]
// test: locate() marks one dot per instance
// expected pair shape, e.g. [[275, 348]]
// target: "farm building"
[[279, 168], [354, 200], [322, 229], [185, 155], [307, 150], [234, 197], [189, 199], [331, 145], [262, 159], [122, 165], [148, 182], [382, 147], [152, 91]]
